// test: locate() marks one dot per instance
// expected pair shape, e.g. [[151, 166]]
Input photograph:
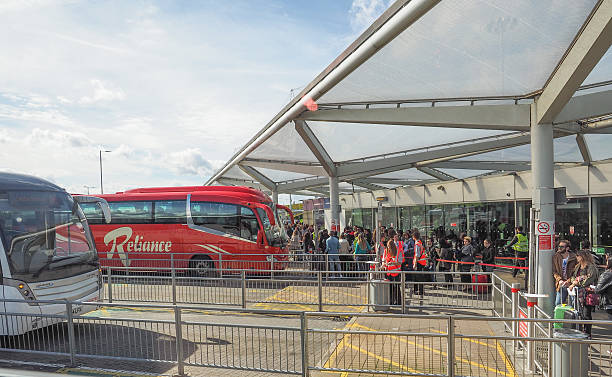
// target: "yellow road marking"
[[378, 357], [363, 299], [502, 353], [469, 340], [482, 366], [317, 297]]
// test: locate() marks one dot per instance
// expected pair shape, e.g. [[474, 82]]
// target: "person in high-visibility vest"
[[393, 267], [399, 244], [419, 262], [520, 245]]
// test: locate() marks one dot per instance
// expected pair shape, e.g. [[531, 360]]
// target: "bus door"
[[217, 230]]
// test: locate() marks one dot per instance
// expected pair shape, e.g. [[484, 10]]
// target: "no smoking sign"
[[543, 227]]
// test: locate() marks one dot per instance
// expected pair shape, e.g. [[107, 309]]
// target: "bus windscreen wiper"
[[56, 260]]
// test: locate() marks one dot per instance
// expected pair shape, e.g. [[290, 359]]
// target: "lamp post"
[[101, 185], [88, 187]]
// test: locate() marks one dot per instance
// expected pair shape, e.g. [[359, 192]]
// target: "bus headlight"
[[23, 289]]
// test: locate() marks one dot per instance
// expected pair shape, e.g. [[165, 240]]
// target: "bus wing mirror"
[[103, 204]]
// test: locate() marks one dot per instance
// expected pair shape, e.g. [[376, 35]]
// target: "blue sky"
[[172, 88]]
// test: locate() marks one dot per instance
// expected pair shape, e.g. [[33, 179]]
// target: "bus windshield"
[[45, 236], [275, 234], [277, 231]]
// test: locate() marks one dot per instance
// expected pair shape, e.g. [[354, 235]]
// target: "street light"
[[88, 187], [101, 186]]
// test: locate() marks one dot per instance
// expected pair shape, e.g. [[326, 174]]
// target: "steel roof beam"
[[358, 170], [367, 185], [316, 147], [586, 51], [497, 117], [294, 167], [302, 184], [241, 182], [586, 106], [436, 173], [395, 181], [584, 149], [259, 177], [482, 165]]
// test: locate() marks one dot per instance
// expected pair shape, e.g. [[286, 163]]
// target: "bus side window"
[[170, 212], [131, 212], [248, 224], [93, 213], [218, 216]]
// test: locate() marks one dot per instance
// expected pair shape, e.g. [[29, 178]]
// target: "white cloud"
[[102, 92], [364, 12], [58, 138], [189, 161]]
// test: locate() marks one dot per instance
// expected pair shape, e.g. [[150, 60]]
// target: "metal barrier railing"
[[186, 339], [316, 291]]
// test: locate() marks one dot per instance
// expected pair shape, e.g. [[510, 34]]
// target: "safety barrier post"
[[173, 274], [220, 265], [71, 339], [304, 341], [179, 340], [320, 286], [515, 290], [450, 354], [532, 301], [109, 283], [327, 265], [244, 291], [402, 290], [368, 279], [272, 268]]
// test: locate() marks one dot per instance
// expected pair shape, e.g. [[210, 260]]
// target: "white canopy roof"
[[443, 90]]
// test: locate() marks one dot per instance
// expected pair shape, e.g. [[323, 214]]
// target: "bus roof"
[[226, 190], [237, 193], [14, 181]]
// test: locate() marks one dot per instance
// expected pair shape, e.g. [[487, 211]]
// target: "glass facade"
[[572, 222], [602, 224], [496, 220]]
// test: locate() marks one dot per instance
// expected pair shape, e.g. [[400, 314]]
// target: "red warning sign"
[[543, 227], [545, 242]]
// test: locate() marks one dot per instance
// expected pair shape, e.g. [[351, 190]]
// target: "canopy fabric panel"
[[285, 145], [351, 141], [467, 48]]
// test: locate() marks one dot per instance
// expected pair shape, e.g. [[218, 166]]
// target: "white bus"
[[47, 252]]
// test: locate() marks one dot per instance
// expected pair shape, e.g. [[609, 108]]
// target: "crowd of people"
[[576, 273], [355, 246]]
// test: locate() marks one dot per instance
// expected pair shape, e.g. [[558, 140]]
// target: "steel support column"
[[542, 169], [275, 196], [334, 201]]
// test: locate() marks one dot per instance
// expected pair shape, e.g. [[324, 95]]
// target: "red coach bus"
[[205, 228]]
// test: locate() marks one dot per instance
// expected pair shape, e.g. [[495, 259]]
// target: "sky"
[[171, 88]]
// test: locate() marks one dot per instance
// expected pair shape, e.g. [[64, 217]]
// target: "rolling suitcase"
[[565, 311], [479, 278]]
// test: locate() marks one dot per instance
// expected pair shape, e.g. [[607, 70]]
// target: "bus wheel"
[[202, 265]]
